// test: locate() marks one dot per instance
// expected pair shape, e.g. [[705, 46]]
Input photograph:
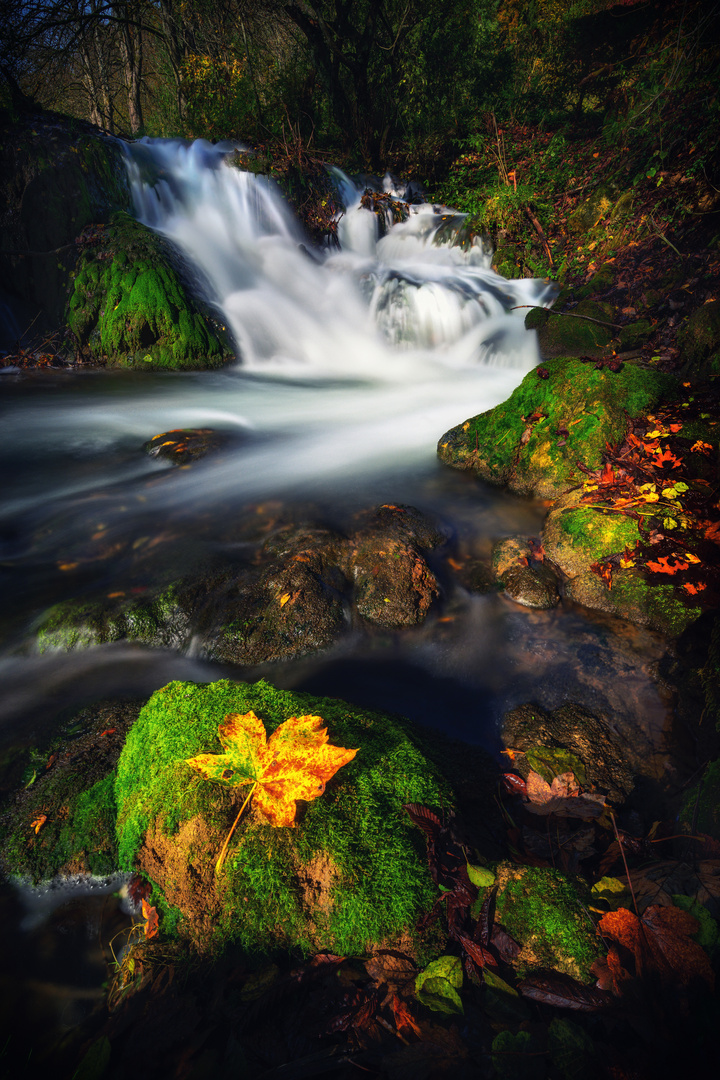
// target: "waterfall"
[[355, 312]]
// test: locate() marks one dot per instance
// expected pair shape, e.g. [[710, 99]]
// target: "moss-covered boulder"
[[561, 414], [526, 580], [585, 331], [60, 820], [545, 913], [129, 306], [578, 537], [699, 341], [353, 873]]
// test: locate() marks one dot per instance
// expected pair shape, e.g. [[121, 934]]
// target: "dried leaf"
[[151, 924], [294, 763], [38, 823], [661, 942], [562, 797], [562, 992], [404, 1019], [664, 566]]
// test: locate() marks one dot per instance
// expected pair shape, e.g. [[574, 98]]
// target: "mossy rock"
[[162, 621], [129, 306], [572, 333], [586, 216], [69, 797], [352, 874], [576, 536], [580, 408], [634, 334], [546, 914], [699, 341], [701, 808]]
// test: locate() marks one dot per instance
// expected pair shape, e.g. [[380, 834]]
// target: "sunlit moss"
[[352, 873]]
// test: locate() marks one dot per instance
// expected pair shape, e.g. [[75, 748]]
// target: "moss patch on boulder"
[[544, 911], [573, 333], [533, 441], [352, 874], [129, 306], [699, 341]]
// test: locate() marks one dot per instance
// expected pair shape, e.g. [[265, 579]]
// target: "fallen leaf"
[[294, 763], [563, 992], [693, 589], [607, 476], [284, 599], [152, 920], [562, 797], [38, 823], [404, 1019], [667, 458], [661, 942], [664, 566], [700, 447]]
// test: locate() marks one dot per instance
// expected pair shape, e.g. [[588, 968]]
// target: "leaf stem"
[[223, 854]]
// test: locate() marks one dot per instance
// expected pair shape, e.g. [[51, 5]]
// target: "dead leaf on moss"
[[562, 797]]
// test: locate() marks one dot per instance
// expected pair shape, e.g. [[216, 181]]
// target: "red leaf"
[[152, 921], [403, 1017], [693, 589], [607, 476], [477, 953], [513, 784], [661, 942], [666, 458]]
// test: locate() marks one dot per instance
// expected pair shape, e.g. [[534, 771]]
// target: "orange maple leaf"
[[38, 823], [669, 458], [294, 763], [664, 566], [607, 476], [661, 943], [693, 589], [563, 797], [152, 920]]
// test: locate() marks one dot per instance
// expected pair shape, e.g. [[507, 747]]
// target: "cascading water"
[[352, 362]]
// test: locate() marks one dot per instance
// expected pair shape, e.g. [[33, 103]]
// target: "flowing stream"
[[351, 363]]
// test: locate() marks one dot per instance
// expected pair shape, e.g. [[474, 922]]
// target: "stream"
[[352, 362]]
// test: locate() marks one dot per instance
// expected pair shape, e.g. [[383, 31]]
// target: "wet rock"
[[525, 579], [699, 341], [571, 334], [183, 445], [130, 306], [292, 607], [352, 874], [393, 584], [609, 762], [533, 441]]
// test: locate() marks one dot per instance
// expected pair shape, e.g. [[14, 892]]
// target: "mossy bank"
[[130, 307], [351, 875]]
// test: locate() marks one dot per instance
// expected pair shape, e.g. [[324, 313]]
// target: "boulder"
[[130, 307], [350, 875], [699, 341], [562, 414], [585, 331]]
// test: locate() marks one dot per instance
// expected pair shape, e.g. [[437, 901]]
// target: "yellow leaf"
[[691, 558], [284, 599], [38, 823], [294, 763], [627, 563]]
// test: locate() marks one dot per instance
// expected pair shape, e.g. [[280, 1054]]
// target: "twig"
[[223, 853], [627, 870], [665, 239], [568, 315]]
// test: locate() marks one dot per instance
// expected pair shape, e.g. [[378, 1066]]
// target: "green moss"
[[77, 837], [544, 912], [591, 405], [353, 872], [566, 334], [129, 307], [634, 334]]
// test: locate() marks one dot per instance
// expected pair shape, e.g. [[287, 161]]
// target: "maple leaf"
[[294, 763], [151, 924], [661, 943], [562, 797], [667, 458], [38, 823], [694, 589], [607, 476]]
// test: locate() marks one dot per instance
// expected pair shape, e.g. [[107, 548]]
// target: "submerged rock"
[[352, 874], [525, 579], [183, 445], [533, 441], [130, 307], [604, 754]]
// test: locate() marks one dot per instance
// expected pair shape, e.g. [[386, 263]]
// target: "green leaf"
[[611, 891], [437, 986], [440, 996], [669, 523], [708, 934], [552, 761], [480, 877]]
